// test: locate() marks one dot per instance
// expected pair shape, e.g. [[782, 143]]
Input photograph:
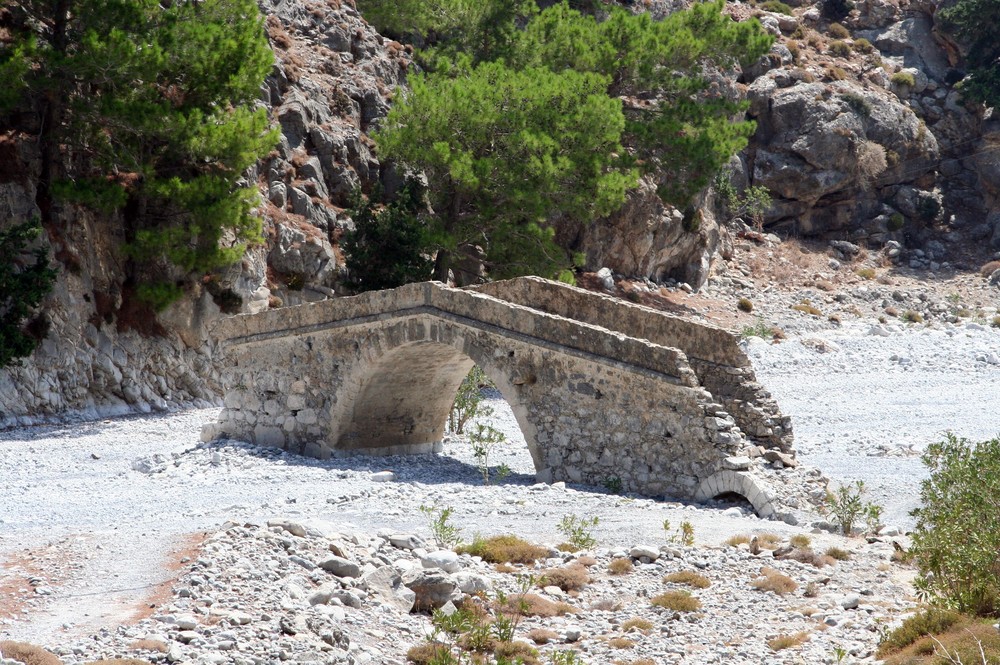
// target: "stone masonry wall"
[[377, 373]]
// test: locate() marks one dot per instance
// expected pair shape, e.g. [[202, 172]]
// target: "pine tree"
[[23, 284], [146, 108]]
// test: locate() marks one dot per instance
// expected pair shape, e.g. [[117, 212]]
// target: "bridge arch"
[[397, 402]]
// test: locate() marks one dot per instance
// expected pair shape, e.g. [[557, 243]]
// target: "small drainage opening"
[[729, 499]]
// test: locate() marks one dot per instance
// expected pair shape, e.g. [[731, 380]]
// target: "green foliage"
[[468, 400], [847, 507], [156, 103], [974, 22], [510, 144], [24, 283], [753, 202], [484, 438], [683, 535], [505, 149], [932, 621], [578, 530], [903, 79], [388, 246], [758, 329], [445, 533], [158, 295], [839, 49], [957, 536], [858, 104], [777, 7]]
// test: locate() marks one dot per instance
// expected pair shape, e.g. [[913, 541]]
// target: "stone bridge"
[[601, 388]]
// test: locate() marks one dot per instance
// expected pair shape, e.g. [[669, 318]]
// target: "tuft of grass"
[[29, 654], [744, 305], [542, 635], [838, 554], [932, 621], [862, 45], [587, 561], [690, 578], [903, 79], [568, 578], [865, 273], [838, 31], [678, 601], [428, 652], [807, 308], [777, 7], [621, 643], [787, 641], [644, 661], [912, 316], [800, 540], [504, 549], [533, 605], [812, 558], [768, 541], [620, 566], [516, 652], [989, 268], [774, 581], [839, 49], [642, 625], [996, 322], [836, 73], [567, 547], [737, 540]]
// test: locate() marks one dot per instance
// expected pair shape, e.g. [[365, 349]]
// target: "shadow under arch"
[[397, 403]]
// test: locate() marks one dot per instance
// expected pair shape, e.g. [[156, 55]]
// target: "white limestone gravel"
[[91, 514]]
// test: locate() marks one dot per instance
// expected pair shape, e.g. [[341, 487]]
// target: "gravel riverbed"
[[100, 520]]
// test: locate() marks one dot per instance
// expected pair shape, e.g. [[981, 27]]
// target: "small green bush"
[[862, 45], [896, 222], [911, 316], [847, 507], [839, 49], [678, 601], [903, 79], [836, 73], [957, 537], [858, 104], [931, 621], [578, 530], [744, 305], [777, 7], [838, 31], [504, 549]]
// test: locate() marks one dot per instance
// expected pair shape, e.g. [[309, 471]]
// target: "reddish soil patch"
[[186, 548]]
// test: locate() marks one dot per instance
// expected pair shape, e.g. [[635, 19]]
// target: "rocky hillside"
[[861, 137]]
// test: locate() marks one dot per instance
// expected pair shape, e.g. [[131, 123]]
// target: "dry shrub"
[[517, 652], [505, 568], [542, 635], [738, 539], [504, 549], [806, 308], [621, 643], [838, 554], [787, 641], [800, 540], [427, 653], [277, 33], [838, 31], [678, 601], [644, 661], [149, 645], [989, 268], [690, 578], [621, 566], [771, 580], [28, 654], [642, 625], [912, 316], [608, 604], [870, 160], [533, 605], [932, 621], [587, 561], [962, 642], [567, 547], [568, 578], [806, 555], [768, 541]]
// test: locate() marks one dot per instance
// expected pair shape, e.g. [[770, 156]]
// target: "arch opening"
[[400, 402]]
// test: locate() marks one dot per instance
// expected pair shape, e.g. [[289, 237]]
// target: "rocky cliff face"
[[861, 136]]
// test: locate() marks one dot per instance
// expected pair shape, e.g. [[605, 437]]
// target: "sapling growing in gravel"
[[579, 530], [847, 507], [445, 534]]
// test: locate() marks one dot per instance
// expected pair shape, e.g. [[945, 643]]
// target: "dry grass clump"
[[838, 31], [865, 273], [838, 554], [504, 568], [568, 578], [567, 547], [807, 308], [517, 652], [768, 541], [800, 541], [774, 581], [621, 643], [912, 316], [533, 605], [787, 641], [621, 566], [956, 639], [29, 654], [644, 661], [542, 635], [690, 578], [504, 549], [737, 540], [427, 653], [149, 645], [635, 623], [989, 268], [678, 601], [744, 305], [587, 561], [810, 557]]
